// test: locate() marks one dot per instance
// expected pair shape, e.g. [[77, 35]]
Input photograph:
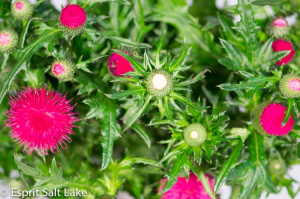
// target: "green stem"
[[86, 3], [235, 191], [6, 55]]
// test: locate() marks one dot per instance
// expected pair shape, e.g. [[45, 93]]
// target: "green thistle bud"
[[159, 83], [63, 69], [289, 86], [277, 167], [22, 9], [8, 40], [194, 134], [278, 28]]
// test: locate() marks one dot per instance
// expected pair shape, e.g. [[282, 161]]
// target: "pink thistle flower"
[[281, 45], [280, 22], [19, 5], [40, 120], [268, 119], [118, 65], [187, 189], [4, 39], [72, 19]]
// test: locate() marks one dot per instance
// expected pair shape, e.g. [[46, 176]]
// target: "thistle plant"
[[157, 83], [152, 99]]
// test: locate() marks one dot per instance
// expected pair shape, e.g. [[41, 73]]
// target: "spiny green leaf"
[[229, 164], [27, 170], [139, 129], [248, 29], [106, 110], [252, 174], [83, 65], [139, 111], [134, 91], [176, 169], [158, 51], [288, 111]]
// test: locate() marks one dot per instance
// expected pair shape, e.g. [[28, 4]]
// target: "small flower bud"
[[118, 65], [194, 134], [159, 83], [277, 167], [278, 28], [289, 86], [22, 9], [8, 40], [72, 20], [63, 69]]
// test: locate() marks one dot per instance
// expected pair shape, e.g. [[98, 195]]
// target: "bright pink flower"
[[19, 5], [272, 118], [118, 65], [187, 189], [281, 45], [280, 22], [59, 69], [72, 16], [4, 39], [40, 120], [294, 84]]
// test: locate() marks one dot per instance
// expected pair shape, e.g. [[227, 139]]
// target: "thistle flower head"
[[72, 20], [40, 120], [281, 45], [289, 86], [267, 119], [118, 65], [63, 69], [189, 189], [278, 28], [277, 166], [194, 134], [22, 9], [159, 83], [8, 40]]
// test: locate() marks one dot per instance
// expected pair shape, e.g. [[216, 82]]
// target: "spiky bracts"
[[22, 9], [63, 69], [277, 167], [194, 134], [9, 40], [278, 28], [118, 65], [72, 20], [268, 117], [289, 86], [40, 120], [159, 83], [281, 45]]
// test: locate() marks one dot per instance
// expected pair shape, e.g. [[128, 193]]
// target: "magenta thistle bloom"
[[118, 65], [72, 19], [40, 120], [22, 9], [268, 118], [187, 189], [281, 45]]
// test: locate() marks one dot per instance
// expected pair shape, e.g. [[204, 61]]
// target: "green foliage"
[[131, 133]]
